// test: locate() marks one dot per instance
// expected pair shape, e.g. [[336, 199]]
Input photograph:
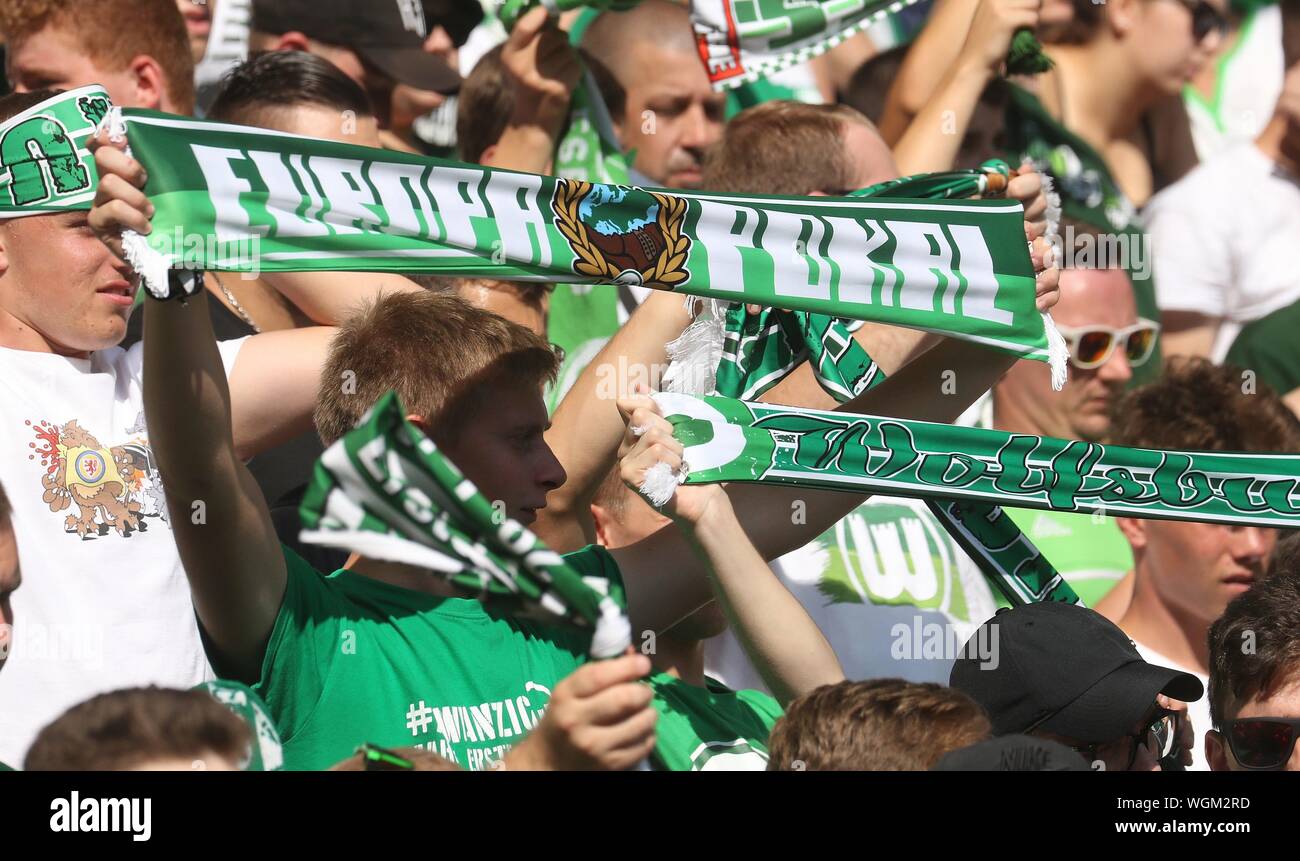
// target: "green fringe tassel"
[[1026, 56]]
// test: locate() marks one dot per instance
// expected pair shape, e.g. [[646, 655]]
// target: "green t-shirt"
[[1088, 192], [711, 728], [1089, 551], [353, 660], [1268, 346]]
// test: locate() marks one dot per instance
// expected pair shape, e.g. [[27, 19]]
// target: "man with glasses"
[[1255, 692], [1184, 574], [1065, 673], [1098, 316]]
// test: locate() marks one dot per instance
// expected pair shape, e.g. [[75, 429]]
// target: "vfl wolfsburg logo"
[[623, 235], [42, 161]]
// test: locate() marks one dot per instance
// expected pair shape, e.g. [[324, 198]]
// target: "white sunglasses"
[[1092, 346]]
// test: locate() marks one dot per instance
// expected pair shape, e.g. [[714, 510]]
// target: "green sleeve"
[[303, 644], [1269, 347]]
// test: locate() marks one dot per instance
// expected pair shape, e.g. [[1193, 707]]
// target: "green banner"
[[232, 198], [385, 492], [731, 440], [744, 40]]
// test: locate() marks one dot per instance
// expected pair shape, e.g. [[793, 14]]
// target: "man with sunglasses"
[[1255, 692], [1065, 673], [1185, 573], [1097, 314]]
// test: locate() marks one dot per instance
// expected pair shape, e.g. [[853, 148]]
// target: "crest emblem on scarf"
[[42, 161], [623, 235]]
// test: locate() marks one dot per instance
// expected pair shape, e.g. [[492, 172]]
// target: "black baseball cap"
[[388, 34], [1012, 753], [1065, 669]]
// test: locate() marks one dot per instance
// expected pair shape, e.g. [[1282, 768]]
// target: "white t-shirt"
[[1249, 82], [891, 591], [1221, 237], [104, 603], [1198, 711]]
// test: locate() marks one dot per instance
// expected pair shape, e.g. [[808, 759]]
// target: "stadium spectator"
[[1255, 677], [1211, 230], [656, 89], [1065, 673], [1185, 573], [877, 725], [81, 476], [143, 729], [61, 45]]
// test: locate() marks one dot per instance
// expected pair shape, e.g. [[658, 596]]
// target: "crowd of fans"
[[140, 633]]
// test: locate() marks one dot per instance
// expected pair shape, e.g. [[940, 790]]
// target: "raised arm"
[[781, 639], [216, 512], [543, 69], [586, 429], [933, 137], [925, 64]]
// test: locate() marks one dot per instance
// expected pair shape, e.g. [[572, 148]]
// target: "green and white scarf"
[[731, 440], [761, 349], [45, 166], [234, 199], [743, 40], [385, 492]]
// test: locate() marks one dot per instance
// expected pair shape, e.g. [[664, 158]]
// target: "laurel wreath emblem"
[[669, 268]]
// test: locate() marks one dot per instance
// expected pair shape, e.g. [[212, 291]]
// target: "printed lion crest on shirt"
[[623, 235], [105, 488]]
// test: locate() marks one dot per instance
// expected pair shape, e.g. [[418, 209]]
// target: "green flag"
[[385, 491]]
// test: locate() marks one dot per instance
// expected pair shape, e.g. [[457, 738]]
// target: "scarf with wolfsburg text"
[[385, 491], [731, 440], [230, 198]]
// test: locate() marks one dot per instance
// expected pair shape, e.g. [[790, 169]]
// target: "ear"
[[1134, 530], [488, 154], [293, 41], [150, 86], [1121, 16], [1216, 751], [4, 251], [817, 193], [601, 518]]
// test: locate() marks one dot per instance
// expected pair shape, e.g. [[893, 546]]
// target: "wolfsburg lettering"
[[133, 815], [1064, 475]]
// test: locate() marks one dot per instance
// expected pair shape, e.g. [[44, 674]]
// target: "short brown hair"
[[783, 147], [13, 104], [875, 725], [1266, 617], [486, 101], [532, 293], [151, 27], [122, 729], [438, 352], [1195, 405], [421, 760]]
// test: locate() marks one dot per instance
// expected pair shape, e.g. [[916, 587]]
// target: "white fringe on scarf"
[[694, 354], [148, 263]]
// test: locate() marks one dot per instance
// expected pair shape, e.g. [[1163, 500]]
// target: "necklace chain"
[[234, 303]]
